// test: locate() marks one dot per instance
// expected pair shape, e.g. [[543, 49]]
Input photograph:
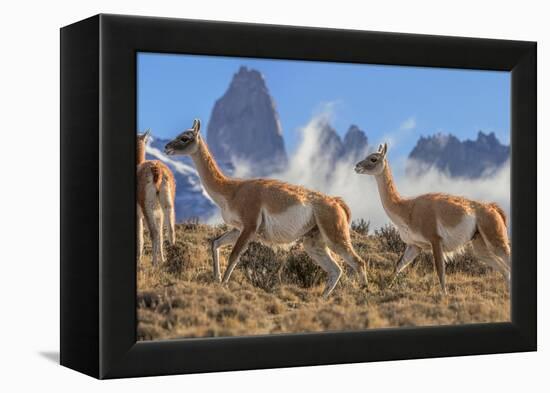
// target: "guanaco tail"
[[156, 190]]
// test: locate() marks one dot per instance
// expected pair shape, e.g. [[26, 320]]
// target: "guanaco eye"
[[373, 160]]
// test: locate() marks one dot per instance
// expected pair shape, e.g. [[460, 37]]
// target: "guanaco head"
[[374, 163], [185, 143], [143, 138]]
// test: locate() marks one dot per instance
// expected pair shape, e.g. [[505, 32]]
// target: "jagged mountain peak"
[[248, 77], [487, 139], [468, 158], [354, 129], [244, 125], [355, 141], [353, 146], [329, 141]]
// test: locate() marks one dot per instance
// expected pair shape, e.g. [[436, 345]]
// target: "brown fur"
[[157, 175], [140, 151], [423, 216], [157, 168], [420, 212], [275, 195], [159, 172], [242, 201], [154, 173], [499, 210], [344, 206], [492, 226], [247, 196]]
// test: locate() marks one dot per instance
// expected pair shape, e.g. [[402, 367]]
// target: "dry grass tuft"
[[278, 290]]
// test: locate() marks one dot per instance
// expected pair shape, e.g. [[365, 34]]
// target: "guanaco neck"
[[216, 184], [391, 200], [140, 153]]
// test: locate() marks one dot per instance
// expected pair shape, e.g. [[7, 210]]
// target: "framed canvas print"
[[239, 196]]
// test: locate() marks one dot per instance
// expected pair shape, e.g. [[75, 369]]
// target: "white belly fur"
[[455, 238], [287, 226]]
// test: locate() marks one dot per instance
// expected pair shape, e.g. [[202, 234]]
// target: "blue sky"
[[387, 102]]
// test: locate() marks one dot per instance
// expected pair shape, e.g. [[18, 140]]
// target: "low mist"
[[311, 166]]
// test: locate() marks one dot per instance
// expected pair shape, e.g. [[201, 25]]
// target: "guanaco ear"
[[384, 149], [196, 126], [379, 148], [145, 135]]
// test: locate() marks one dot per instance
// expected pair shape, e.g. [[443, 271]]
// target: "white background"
[[29, 194]]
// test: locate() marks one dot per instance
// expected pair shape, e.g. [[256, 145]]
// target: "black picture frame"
[[98, 125]]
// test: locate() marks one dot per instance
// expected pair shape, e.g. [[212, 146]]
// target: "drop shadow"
[[52, 356]]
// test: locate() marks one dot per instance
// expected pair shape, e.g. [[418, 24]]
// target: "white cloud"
[[493, 188], [409, 124], [327, 109], [404, 131], [308, 167]]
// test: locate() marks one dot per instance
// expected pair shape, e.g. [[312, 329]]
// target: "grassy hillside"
[[278, 291]]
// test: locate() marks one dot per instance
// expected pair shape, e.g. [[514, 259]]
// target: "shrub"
[[265, 268], [466, 262], [260, 265], [361, 226], [390, 239], [191, 224], [300, 270], [178, 257]]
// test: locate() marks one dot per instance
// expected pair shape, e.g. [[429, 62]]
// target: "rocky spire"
[[355, 142], [244, 125]]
